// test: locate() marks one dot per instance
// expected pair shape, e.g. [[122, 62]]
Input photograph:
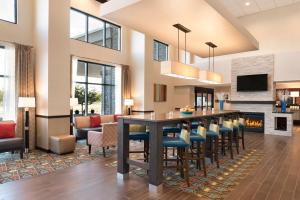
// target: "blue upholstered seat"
[[138, 136], [211, 134], [167, 130], [241, 126], [194, 125], [174, 142], [197, 138], [225, 130]]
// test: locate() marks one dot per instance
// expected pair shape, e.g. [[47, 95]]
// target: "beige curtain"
[[25, 87], [126, 85]]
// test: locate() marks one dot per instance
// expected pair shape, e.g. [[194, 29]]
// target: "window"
[[95, 88], [96, 31], [78, 26], [7, 85], [160, 51], [87, 28], [8, 10]]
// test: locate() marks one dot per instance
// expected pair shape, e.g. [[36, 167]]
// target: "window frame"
[[105, 22], [86, 82], [2, 75], [15, 14], [167, 53]]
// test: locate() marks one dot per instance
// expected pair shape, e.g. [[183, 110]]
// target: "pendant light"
[[208, 76], [176, 68]]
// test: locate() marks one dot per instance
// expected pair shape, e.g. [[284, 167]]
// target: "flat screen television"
[[256, 82]]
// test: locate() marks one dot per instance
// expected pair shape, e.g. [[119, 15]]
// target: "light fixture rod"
[[185, 47], [209, 58], [182, 28], [213, 59], [178, 45]]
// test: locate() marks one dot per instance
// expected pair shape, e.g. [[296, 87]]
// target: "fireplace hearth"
[[254, 121]]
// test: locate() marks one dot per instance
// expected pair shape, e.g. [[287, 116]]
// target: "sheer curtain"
[[8, 81]]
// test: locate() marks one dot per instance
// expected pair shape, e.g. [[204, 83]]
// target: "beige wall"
[[22, 31]]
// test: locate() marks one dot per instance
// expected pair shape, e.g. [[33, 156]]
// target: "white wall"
[[22, 31], [278, 33]]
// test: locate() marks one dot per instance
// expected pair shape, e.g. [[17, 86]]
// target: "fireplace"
[[255, 122]]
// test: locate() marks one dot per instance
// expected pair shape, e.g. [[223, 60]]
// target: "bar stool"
[[140, 133], [242, 130], [236, 135], [170, 130], [213, 135], [182, 144], [226, 131], [199, 138]]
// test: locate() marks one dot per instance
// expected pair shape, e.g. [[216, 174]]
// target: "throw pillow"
[[7, 130], [95, 121], [116, 117]]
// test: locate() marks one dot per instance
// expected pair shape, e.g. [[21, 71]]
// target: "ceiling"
[[238, 7], [156, 17]]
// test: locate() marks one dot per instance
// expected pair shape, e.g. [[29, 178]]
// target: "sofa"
[[10, 143], [83, 124]]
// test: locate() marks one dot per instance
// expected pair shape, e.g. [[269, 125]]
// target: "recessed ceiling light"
[[247, 3]]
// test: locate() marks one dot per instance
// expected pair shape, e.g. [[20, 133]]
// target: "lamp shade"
[[210, 77], [26, 102], [128, 102], [179, 70], [73, 102], [294, 94]]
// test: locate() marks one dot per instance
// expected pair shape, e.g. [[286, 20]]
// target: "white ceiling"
[[238, 7], [156, 17]]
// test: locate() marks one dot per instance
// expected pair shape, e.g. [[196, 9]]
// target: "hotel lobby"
[[149, 99]]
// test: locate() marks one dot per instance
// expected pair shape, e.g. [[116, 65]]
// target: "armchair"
[[104, 139]]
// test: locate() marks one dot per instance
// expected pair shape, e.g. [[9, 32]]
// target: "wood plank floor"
[[276, 177]]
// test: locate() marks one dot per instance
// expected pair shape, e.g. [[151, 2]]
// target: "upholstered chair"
[[105, 139]]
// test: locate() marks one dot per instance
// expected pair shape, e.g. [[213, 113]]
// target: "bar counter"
[[155, 122]]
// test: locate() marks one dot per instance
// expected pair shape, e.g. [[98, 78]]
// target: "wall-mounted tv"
[[256, 82]]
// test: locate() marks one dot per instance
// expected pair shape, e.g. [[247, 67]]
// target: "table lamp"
[[129, 103], [73, 103], [26, 103]]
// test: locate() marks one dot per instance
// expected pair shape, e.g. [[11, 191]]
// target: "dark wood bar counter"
[[155, 122]]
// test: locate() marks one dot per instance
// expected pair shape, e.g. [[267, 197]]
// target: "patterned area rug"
[[38, 163], [219, 181]]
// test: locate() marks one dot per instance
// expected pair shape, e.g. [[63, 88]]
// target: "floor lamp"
[[26, 103], [73, 103]]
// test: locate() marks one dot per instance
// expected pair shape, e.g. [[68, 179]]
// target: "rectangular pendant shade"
[[179, 70], [210, 77]]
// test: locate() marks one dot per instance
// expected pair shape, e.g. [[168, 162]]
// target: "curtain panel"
[[126, 85], [25, 87]]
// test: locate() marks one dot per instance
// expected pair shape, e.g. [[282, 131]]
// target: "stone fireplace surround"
[[254, 101]]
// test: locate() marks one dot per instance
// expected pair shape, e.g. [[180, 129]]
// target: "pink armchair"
[[106, 138]]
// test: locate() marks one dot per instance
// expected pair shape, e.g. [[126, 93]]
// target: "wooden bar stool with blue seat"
[[199, 138], [182, 144], [213, 137], [140, 133], [170, 130], [242, 130], [226, 131], [236, 135]]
